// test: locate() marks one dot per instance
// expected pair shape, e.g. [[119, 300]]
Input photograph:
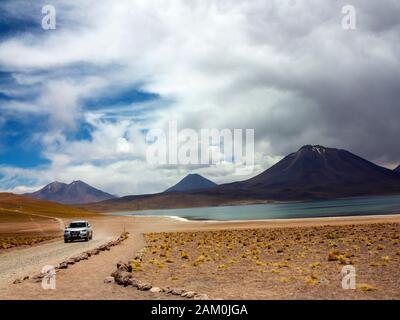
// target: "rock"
[[144, 286], [188, 294], [177, 292], [70, 261], [133, 282], [115, 273], [156, 290], [124, 266], [17, 281], [95, 252], [38, 278], [109, 279], [138, 257], [63, 265], [201, 296], [25, 278], [84, 256], [122, 277]]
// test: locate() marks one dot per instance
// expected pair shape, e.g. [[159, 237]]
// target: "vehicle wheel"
[[87, 238], [66, 241], [91, 236]]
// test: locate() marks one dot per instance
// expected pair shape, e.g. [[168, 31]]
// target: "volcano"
[[318, 172], [77, 192], [192, 182]]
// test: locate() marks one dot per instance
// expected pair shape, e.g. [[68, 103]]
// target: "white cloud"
[[285, 68]]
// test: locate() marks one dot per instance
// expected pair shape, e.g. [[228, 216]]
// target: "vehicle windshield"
[[77, 225]]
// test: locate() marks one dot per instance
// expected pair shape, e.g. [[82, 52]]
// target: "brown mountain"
[[313, 172], [77, 192], [192, 182]]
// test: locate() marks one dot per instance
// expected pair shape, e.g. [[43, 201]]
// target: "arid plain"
[[270, 259]]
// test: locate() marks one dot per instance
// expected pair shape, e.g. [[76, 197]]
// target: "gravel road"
[[18, 263], [84, 280]]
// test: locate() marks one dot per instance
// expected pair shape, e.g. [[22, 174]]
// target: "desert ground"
[[275, 259]]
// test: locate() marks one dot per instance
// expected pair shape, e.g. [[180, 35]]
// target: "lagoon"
[[379, 205]]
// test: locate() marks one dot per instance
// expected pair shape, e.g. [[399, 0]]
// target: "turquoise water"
[[310, 209]]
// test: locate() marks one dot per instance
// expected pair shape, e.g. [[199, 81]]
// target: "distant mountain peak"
[[194, 175], [54, 186], [192, 181], [314, 148], [56, 183], [397, 169], [315, 171], [77, 192], [78, 182]]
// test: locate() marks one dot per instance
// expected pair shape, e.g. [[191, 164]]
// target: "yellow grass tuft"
[[314, 264], [136, 265], [365, 287], [280, 265], [311, 280], [275, 271], [184, 255], [335, 255]]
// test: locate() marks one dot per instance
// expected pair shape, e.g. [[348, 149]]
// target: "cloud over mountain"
[[76, 102]]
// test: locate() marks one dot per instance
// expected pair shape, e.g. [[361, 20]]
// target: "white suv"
[[78, 230]]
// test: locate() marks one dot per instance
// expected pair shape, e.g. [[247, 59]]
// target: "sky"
[[76, 102]]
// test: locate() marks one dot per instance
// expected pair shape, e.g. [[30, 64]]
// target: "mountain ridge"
[[311, 173], [77, 192]]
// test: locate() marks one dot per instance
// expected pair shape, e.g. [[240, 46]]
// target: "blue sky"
[[76, 102], [22, 145]]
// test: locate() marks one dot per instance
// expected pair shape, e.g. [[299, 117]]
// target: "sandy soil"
[[84, 280]]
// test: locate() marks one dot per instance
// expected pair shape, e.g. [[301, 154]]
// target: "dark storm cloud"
[[286, 68], [338, 87]]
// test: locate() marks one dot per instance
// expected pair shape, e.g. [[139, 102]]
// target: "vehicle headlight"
[[83, 231]]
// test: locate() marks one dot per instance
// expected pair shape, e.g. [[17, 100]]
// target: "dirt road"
[[85, 279], [29, 260]]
